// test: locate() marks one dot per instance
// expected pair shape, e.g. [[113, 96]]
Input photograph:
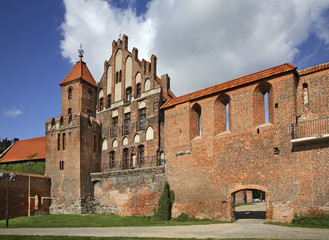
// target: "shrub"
[[166, 202], [183, 217], [312, 220]]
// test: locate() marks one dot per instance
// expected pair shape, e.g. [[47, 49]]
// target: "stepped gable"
[[286, 67], [313, 69], [25, 150], [80, 71]]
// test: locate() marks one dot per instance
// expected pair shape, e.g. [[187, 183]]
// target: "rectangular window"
[[58, 141], [142, 118], [138, 90], [112, 159], [127, 123], [61, 165], [109, 101], [69, 111], [114, 126], [125, 158], [128, 94], [141, 155], [63, 141]]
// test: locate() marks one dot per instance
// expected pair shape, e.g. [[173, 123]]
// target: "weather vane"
[[81, 52]]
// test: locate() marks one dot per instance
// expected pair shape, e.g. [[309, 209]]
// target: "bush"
[[183, 217], [166, 202], [312, 220]]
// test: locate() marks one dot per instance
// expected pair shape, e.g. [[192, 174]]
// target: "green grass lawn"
[[94, 220], [310, 221]]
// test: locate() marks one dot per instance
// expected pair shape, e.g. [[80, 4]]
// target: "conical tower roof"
[[80, 71]]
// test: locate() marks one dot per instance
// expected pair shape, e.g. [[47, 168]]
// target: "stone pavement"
[[242, 229]]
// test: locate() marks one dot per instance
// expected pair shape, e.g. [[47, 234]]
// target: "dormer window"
[[69, 93]]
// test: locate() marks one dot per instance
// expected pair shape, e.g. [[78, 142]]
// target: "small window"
[[101, 104], [127, 123], [58, 141], [138, 90], [128, 94], [114, 126], [109, 101], [142, 118], [61, 165], [90, 96], [112, 159], [63, 141], [69, 93], [69, 111]]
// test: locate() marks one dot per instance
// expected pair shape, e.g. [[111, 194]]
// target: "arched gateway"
[[231, 200]]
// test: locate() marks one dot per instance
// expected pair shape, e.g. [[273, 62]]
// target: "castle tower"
[[73, 143]]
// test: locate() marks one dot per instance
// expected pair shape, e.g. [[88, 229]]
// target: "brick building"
[[118, 141]]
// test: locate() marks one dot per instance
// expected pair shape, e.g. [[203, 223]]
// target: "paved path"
[[243, 229]]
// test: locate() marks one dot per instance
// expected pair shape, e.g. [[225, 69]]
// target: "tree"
[[4, 144], [166, 202]]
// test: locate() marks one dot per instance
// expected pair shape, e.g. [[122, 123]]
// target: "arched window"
[[140, 155], [69, 93], [142, 118], [222, 113], [262, 103], [195, 121], [109, 101], [305, 97], [64, 141]]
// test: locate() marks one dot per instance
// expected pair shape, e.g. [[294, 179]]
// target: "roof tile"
[[231, 84], [313, 69], [29, 149], [80, 70]]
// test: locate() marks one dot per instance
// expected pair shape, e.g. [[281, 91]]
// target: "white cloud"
[[14, 112], [198, 43]]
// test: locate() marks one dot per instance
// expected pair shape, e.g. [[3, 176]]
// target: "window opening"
[[127, 123], [63, 141], [227, 116], [61, 165], [266, 107], [138, 90], [142, 118], [114, 126], [125, 158], [128, 94], [69, 94], [112, 159], [109, 101], [141, 155], [90, 96], [69, 111], [101, 104], [58, 141]]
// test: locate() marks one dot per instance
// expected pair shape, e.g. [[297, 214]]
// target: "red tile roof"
[[80, 70], [231, 84], [313, 69], [29, 149]]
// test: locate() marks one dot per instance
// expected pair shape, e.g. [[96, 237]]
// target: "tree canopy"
[[4, 144]]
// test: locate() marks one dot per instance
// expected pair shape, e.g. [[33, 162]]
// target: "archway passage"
[[249, 203]]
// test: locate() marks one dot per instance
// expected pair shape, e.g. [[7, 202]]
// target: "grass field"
[[95, 220]]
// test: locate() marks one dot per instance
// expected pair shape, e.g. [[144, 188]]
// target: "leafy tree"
[[4, 144]]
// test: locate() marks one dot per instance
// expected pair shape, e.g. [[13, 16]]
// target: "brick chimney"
[[165, 82]]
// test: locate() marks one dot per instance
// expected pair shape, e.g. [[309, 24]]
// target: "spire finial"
[[81, 52]]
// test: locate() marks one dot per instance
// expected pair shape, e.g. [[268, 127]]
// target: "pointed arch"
[[104, 144], [149, 133], [263, 104], [222, 113], [195, 121]]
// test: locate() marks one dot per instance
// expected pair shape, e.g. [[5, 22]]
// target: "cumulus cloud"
[[14, 112], [198, 43]]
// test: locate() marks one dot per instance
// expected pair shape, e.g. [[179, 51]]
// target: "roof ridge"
[[313, 69]]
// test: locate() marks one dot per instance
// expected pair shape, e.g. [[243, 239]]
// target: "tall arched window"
[[263, 104], [195, 121], [69, 93], [305, 97], [222, 113]]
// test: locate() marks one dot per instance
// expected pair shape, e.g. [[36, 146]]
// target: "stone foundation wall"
[[128, 192]]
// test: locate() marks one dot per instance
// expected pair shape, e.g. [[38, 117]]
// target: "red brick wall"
[[22, 194]]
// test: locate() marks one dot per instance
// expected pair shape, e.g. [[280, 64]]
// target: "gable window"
[[138, 90], [112, 159], [142, 118], [69, 93], [127, 123], [128, 94], [141, 155], [114, 126]]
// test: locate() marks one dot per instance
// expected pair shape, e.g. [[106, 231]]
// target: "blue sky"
[[198, 46]]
